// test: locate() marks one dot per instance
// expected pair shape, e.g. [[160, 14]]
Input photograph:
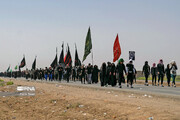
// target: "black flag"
[[54, 63], [68, 59], [61, 58], [8, 69], [77, 61], [34, 64], [23, 63]]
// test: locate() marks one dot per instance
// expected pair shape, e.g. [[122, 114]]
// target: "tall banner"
[[67, 58], [77, 62], [23, 63], [34, 64], [54, 63], [88, 45], [61, 58], [116, 49]]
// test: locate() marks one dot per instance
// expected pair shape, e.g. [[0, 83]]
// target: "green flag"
[[88, 44], [16, 67]]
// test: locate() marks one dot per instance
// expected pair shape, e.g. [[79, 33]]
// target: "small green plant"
[[1, 80], [9, 83]]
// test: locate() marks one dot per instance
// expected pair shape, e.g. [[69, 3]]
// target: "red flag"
[[116, 49], [68, 59], [65, 58]]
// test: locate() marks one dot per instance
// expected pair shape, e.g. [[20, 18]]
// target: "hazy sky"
[[37, 27]]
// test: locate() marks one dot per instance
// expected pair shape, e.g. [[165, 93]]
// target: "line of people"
[[160, 71], [109, 74]]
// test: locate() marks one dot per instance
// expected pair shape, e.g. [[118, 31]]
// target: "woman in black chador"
[[113, 75], [146, 71], [95, 74], [103, 74], [108, 74]]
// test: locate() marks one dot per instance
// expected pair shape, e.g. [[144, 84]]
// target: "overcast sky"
[[151, 28]]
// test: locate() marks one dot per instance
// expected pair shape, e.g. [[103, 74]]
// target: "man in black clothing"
[[121, 70], [68, 72], [60, 71], [154, 73], [50, 74], [130, 73], [74, 73], [89, 73], [160, 70], [82, 73], [40, 74], [46, 71]]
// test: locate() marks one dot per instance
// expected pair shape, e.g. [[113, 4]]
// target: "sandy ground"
[[66, 102]]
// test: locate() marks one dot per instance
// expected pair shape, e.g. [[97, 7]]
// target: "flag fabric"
[[34, 64], [67, 58], [116, 49], [88, 45], [16, 67], [23, 63], [54, 63], [8, 69], [61, 58], [77, 61]]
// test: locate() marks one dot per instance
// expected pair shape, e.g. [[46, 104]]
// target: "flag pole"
[[92, 57], [63, 47], [56, 56], [92, 52], [35, 59]]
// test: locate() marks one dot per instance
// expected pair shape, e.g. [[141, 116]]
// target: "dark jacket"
[[130, 68], [168, 72], [121, 68], [153, 70], [89, 69], [146, 69], [160, 68]]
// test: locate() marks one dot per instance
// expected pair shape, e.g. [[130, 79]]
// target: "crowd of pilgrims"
[[109, 73]]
